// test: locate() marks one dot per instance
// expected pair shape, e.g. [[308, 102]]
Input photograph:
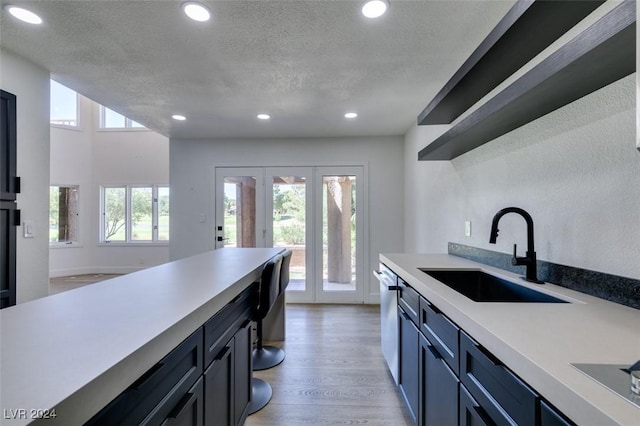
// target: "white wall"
[[30, 84], [192, 185], [71, 152], [90, 157], [576, 171]]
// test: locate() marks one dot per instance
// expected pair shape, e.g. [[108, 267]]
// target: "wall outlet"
[[467, 228]]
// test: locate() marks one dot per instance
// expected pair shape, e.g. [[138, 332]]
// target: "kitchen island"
[[538, 342], [74, 352]]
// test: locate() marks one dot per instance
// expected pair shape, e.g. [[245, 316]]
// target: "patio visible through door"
[[312, 211]]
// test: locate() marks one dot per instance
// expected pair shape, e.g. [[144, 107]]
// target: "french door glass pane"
[[163, 213], [239, 211], [115, 214], [142, 214], [289, 224], [338, 233]]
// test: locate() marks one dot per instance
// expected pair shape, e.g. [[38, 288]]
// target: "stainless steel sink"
[[482, 287]]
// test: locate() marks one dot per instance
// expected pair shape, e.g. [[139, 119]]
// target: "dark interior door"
[[9, 187]]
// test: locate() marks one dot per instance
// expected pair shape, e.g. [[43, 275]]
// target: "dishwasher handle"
[[382, 277]]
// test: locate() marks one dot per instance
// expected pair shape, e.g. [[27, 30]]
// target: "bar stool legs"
[[265, 357], [261, 393]]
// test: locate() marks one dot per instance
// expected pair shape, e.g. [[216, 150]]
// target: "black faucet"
[[530, 260]]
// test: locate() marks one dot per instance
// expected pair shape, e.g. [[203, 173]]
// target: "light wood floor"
[[333, 373], [60, 284]]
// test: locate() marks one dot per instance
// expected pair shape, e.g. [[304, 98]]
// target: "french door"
[[316, 212]]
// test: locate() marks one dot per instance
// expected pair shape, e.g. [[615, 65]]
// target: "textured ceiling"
[[305, 62]]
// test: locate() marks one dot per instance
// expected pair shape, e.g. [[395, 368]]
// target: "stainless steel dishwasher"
[[389, 317]]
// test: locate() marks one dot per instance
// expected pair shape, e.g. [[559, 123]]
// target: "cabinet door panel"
[[242, 373], [218, 388], [409, 363], [439, 391]]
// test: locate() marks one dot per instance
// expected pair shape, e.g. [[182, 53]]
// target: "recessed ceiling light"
[[24, 15], [375, 8], [264, 116], [196, 11], [351, 115], [178, 117]]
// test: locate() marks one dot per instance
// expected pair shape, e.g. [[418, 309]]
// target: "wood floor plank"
[[305, 415], [333, 373]]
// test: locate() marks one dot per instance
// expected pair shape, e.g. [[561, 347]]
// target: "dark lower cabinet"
[[438, 390], [550, 417], [447, 378], [242, 373], [227, 381], [502, 395], [206, 380], [218, 387], [189, 411], [151, 398], [409, 382], [471, 413]]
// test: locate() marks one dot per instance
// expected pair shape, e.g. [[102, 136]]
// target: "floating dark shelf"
[[603, 53], [527, 29]]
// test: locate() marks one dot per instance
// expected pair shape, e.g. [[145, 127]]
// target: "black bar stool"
[[268, 291], [284, 272], [265, 357]]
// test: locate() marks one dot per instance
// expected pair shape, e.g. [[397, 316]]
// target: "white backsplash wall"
[[576, 171]]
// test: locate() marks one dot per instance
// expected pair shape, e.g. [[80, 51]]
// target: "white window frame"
[[155, 218], [128, 123]]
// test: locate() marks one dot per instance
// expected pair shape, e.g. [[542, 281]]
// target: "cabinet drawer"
[[550, 417], [409, 299], [221, 327], [189, 409], [441, 332], [471, 413], [174, 374], [502, 395]]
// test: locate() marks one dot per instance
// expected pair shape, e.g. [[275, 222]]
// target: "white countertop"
[[75, 351], [540, 341]]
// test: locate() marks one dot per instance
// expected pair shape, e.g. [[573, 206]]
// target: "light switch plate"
[[27, 229], [467, 228]]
